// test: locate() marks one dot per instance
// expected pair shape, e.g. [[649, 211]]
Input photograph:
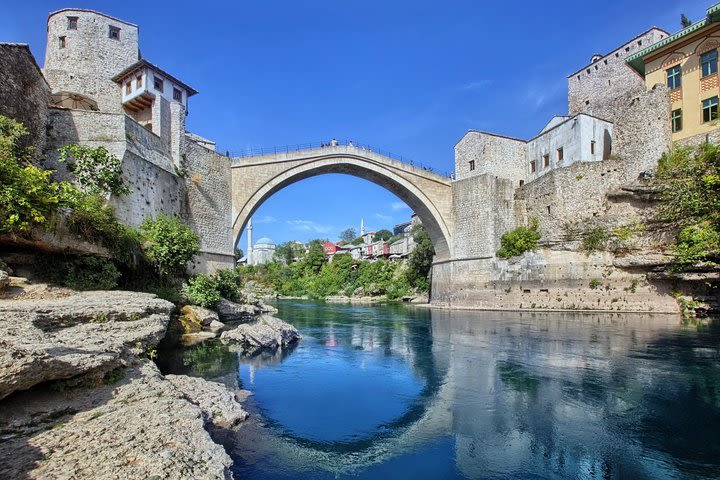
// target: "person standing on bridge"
[[333, 143]]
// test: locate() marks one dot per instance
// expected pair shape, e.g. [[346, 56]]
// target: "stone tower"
[[85, 50]]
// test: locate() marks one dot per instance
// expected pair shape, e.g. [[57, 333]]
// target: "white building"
[[262, 252]]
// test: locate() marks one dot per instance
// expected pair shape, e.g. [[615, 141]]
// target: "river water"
[[394, 392]]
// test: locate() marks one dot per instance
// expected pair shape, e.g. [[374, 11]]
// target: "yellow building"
[[687, 62]]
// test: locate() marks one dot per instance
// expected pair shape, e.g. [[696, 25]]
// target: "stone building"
[[563, 141], [593, 87], [687, 62]]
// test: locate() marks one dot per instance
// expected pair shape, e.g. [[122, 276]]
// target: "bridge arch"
[[255, 179]]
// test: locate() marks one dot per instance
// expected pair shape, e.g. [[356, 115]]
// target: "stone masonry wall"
[[209, 204], [24, 93], [579, 192], [147, 166], [483, 207], [90, 58], [493, 154], [593, 88]]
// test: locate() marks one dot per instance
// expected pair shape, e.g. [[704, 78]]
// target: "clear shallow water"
[[401, 392]]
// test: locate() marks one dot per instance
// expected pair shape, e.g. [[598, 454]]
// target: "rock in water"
[[89, 333], [235, 312], [264, 332], [217, 403], [4, 279]]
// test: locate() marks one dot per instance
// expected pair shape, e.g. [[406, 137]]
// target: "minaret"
[[362, 227], [249, 249]]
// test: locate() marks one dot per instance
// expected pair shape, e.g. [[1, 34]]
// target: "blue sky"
[[410, 77]]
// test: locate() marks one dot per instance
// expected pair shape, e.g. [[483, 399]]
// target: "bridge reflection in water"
[[519, 394]]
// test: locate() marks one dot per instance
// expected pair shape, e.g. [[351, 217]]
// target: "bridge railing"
[[254, 152]]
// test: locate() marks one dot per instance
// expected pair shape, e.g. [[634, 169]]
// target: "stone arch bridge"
[[254, 179]]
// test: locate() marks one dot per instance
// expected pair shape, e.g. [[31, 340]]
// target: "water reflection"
[[486, 395]]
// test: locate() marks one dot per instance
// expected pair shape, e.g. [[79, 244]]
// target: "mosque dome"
[[265, 241]]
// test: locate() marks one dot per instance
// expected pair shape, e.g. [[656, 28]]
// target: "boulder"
[[215, 325], [217, 403], [193, 318], [88, 333], [236, 312], [4, 279], [266, 332]]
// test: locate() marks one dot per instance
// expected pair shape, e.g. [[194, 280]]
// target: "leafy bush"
[[202, 290], [594, 283], [95, 169], [90, 273], [690, 184], [696, 243], [169, 244], [595, 238], [518, 241], [28, 195], [229, 281]]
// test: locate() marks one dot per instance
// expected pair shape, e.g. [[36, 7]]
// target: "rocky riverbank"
[[80, 396]]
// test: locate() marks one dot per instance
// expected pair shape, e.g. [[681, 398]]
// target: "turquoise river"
[[395, 392]]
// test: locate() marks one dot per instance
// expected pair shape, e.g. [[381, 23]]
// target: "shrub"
[[594, 283], [595, 239], [229, 281], [91, 273], [169, 244], [93, 219], [518, 241], [697, 242], [28, 195], [202, 290], [96, 170]]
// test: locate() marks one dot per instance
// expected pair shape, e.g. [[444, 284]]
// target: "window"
[[72, 23], [710, 109], [114, 33], [177, 94], [709, 63], [676, 120], [61, 42], [546, 160], [560, 153], [674, 77], [548, 209], [138, 81], [522, 182], [592, 147], [128, 87], [472, 165], [532, 167], [158, 84]]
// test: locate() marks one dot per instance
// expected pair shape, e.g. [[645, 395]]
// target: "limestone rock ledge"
[[89, 333], [141, 427]]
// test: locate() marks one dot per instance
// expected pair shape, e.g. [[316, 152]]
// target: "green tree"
[[315, 258], [169, 244], [420, 260], [348, 235], [684, 21], [96, 170], [287, 252], [382, 235]]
